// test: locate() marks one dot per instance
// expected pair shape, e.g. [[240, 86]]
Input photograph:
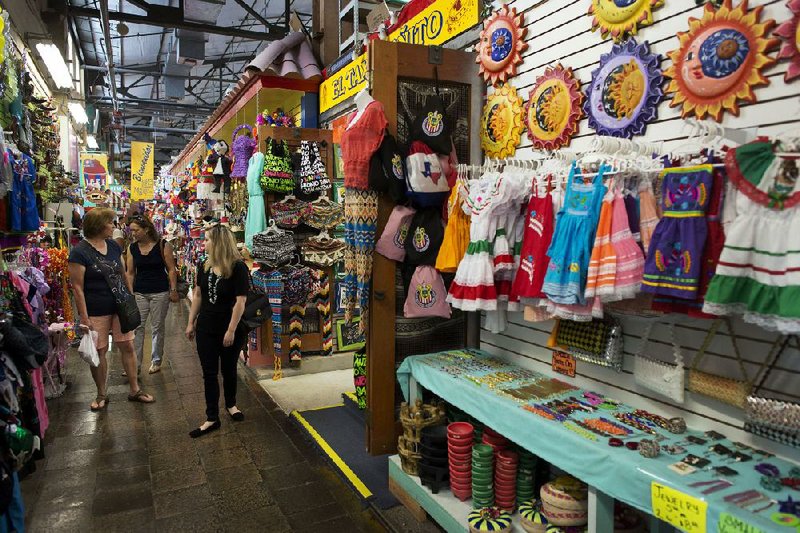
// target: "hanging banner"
[[142, 171], [435, 25], [94, 170]]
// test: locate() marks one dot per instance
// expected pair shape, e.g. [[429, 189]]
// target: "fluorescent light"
[[54, 61], [78, 113], [91, 142]]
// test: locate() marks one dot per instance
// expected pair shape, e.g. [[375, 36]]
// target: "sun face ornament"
[[621, 18], [501, 45], [501, 122], [625, 90], [790, 32], [719, 60], [553, 109]]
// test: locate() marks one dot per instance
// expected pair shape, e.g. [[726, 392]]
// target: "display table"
[[494, 393]]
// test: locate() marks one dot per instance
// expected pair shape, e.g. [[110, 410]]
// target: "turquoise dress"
[[256, 211], [571, 247]]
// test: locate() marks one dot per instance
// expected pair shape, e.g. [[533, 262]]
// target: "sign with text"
[[435, 25], [685, 512], [733, 524], [142, 171], [94, 170], [564, 363]]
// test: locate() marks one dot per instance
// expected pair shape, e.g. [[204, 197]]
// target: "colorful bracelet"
[[632, 421], [572, 426], [649, 448]]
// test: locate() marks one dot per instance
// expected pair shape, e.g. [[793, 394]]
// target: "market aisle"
[[134, 467]]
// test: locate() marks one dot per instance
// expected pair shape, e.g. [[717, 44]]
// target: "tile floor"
[[134, 468]]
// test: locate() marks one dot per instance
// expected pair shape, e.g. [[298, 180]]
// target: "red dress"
[[533, 256], [359, 141]]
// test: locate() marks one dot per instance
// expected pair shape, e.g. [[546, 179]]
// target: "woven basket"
[[414, 419]]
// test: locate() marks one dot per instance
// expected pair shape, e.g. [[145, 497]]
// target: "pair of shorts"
[[106, 324]]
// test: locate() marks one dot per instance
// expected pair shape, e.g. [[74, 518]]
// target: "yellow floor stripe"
[[324, 407], [340, 464], [352, 396]]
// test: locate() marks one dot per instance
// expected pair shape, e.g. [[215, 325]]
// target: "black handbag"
[[126, 309], [256, 311]]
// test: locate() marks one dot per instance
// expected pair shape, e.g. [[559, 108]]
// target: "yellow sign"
[[685, 512], [142, 171], [733, 524], [434, 25]]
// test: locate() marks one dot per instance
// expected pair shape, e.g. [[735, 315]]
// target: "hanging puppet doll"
[[219, 161]]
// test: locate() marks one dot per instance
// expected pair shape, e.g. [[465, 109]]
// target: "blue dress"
[[571, 247], [256, 211], [22, 204]]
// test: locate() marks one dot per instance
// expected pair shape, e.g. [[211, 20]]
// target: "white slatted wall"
[[560, 31]]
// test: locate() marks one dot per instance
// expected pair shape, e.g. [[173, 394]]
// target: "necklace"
[[213, 281]]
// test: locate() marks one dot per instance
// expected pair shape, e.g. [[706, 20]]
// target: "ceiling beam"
[[255, 14], [180, 23], [154, 74], [164, 103]]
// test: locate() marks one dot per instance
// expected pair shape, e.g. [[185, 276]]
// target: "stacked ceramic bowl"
[[433, 470], [459, 455], [505, 480], [494, 439], [482, 476], [526, 489]]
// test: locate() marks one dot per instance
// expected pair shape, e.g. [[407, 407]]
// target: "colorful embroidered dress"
[[538, 232], [630, 259], [758, 274], [603, 263], [456, 234], [673, 264], [571, 249]]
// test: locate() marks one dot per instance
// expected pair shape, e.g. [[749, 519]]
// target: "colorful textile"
[[361, 219], [673, 264], [321, 298], [242, 148], [570, 250], [630, 259], [648, 213], [603, 263], [758, 274], [297, 313], [538, 233], [456, 234], [360, 376], [274, 291], [24, 215], [363, 136], [256, 211]]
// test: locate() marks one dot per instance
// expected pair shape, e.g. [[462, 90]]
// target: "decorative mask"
[[501, 122], [622, 18], [501, 45], [720, 60], [790, 31], [553, 109], [625, 90]]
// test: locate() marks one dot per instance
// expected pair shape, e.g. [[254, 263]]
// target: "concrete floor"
[[309, 391], [134, 468]]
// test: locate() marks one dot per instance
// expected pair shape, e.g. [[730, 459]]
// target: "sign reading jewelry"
[[435, 25]]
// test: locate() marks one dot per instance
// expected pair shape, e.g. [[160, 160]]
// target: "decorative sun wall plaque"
[[720, 60], [625, 90], [501, 122], [790, 31], [553, 109], [622, 18], [501, 45]]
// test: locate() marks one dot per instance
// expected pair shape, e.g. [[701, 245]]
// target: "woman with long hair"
[[218, 302], [152, 269], [93, 263]]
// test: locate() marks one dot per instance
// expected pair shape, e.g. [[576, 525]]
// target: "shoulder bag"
[[777, 420], [727, 390], [278, 173], [598, 342], [126, 309], [658, 376], [312, 176], [182, 286]]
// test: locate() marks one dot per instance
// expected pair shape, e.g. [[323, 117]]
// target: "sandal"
[[139, 396], [97, 401]]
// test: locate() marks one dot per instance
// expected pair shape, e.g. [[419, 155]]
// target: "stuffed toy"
[[219, 161]]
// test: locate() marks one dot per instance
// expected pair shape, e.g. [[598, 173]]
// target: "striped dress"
[[603, 264], [630, 259], [758, 274]]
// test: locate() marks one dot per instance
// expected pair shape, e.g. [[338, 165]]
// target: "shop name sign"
[[434, 25]]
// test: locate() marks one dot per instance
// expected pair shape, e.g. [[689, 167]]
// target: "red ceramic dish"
[[508, 456], [462, 495], [459, 457], [460, 430], [460, 449], [500, 476]]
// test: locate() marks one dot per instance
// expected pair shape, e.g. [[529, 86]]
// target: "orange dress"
[[603, 263], [456, 234]]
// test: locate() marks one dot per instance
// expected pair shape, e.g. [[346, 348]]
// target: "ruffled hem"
[[780, 324]]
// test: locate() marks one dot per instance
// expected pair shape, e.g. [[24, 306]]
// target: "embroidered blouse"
[[359, 142]]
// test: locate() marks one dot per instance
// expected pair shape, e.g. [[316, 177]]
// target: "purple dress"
[[242, 148], [674, 260]]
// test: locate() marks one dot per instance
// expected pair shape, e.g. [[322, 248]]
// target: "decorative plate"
[[625, 90], [554, 108], [622, 18], [501, 122], [790, 31], [501, 45], [720, 60]]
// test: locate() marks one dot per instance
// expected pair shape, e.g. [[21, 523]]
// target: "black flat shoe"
[[197, 432], [238, 416]]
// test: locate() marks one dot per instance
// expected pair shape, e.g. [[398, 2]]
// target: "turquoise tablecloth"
[[618, 472]]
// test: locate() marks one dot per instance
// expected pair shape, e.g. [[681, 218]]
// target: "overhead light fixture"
[[55, 64], [78, 113], [91, 143]]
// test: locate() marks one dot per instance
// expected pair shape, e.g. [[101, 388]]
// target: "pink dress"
[[630, 259]]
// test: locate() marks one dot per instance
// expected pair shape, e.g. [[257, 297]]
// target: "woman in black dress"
[[218, 302]]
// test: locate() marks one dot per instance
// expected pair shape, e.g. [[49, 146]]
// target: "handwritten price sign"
[[685, 512], [733, 524], [563, 363]]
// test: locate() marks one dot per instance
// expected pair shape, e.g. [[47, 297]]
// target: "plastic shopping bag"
[[88, 350]]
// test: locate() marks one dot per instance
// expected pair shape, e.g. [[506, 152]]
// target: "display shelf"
[[612, 473]]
